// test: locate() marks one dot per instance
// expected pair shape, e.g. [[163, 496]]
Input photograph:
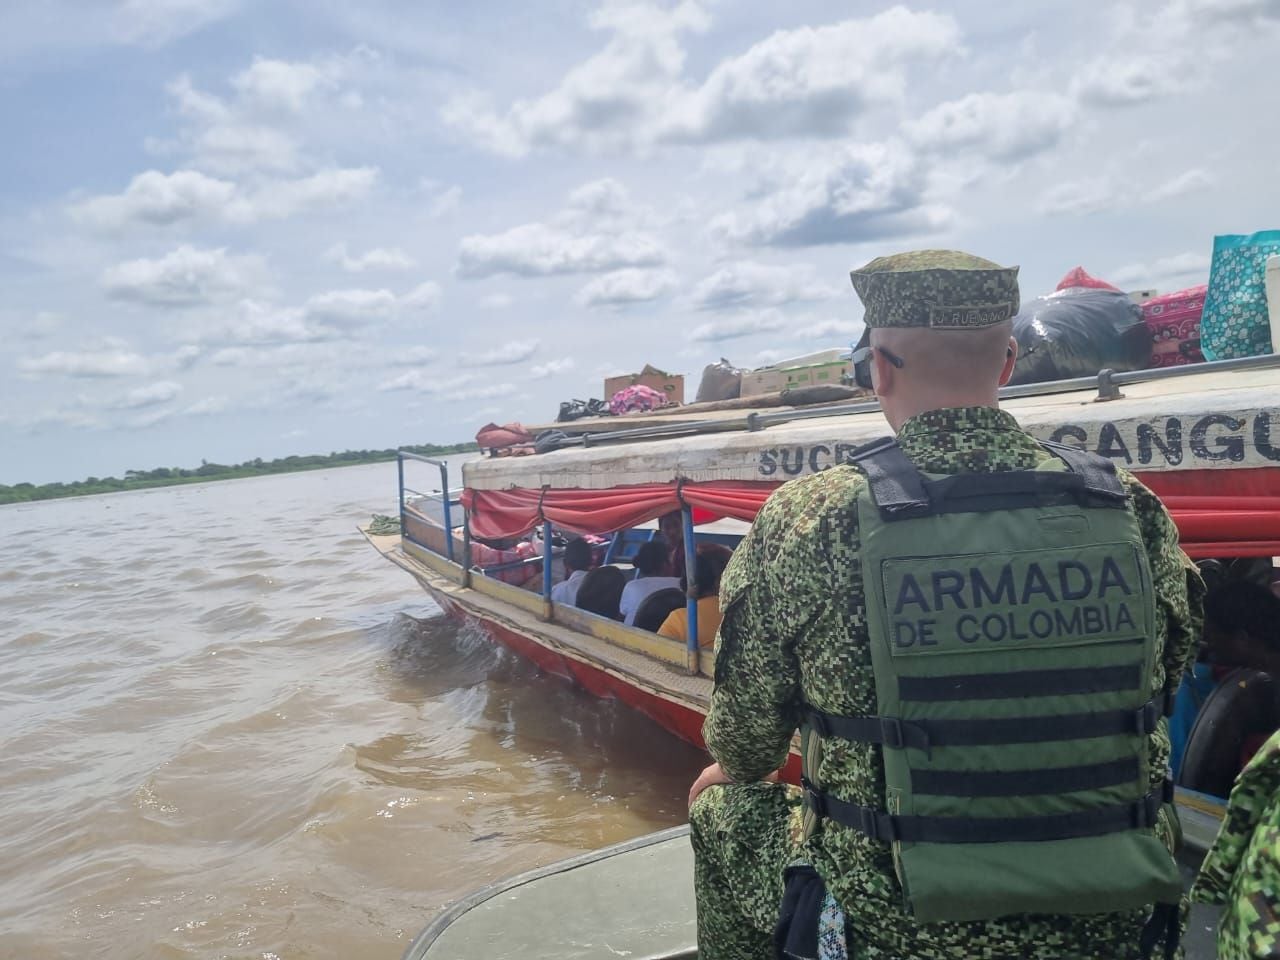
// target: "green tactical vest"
[[1011, 618]]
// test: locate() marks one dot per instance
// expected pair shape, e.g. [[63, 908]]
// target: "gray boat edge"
[[420, 947]]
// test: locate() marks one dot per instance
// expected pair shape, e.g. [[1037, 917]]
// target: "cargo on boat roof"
[[1205, 438]]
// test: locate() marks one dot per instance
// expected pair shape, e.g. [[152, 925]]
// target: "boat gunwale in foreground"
[[420, 948]]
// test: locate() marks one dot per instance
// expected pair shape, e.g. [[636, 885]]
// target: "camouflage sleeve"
[[769, 591], [1178, 587]]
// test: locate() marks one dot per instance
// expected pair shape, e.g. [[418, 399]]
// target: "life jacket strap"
[[878, 825], [898, 734], [901, 492]]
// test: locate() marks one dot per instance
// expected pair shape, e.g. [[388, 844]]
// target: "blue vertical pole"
[[448, 527], [691, 593], [546, 563]]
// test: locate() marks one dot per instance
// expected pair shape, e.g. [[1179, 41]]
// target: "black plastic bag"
[[1077, 332], [720, 381]]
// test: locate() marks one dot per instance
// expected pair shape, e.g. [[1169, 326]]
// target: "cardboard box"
[[764, 380], [777, 378], [817, 374], [671, 384]]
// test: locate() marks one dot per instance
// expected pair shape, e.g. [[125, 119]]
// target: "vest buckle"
[[1148, 717], [891, 734], [821, 725], [814, 798]]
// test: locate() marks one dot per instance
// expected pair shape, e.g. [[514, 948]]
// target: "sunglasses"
[[862, 364]]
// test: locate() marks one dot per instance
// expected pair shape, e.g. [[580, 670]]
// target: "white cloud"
[[184, 277], [741, 325], [235, 148], [421, 381], [346, 309], [488, 391], [597, 231], [812, 81], [1128, 79], [445, 202], [1182, 268], [1077, 197], [551, 368], [186, 195], [809, 81], [379, 258], [109, 362], [155, 22], [539, 249], [622, 287], [853, 194], [1189, 182], [280, 84], [423, 297], [157, 198], [497, 301], [844, 331], [410, 357], [597, 102], [513, 351], [255, 323], [208, 406], [1003, 126], [40, 327], [328, 188], [152, 395], [750, 284]]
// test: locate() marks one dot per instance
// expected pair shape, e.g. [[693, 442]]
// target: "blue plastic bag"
[[1235, 322]]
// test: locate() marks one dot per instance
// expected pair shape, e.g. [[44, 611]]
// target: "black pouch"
[[796, 935]]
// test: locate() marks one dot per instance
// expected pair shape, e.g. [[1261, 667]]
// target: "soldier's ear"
[[1010, 361]]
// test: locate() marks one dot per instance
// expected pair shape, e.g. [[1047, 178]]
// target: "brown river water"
[[229, 729]]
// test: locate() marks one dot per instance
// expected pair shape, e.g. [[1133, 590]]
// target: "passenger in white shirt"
[[578, 558], [653, 563]]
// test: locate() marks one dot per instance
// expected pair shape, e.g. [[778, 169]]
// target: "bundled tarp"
[[1079, 330]]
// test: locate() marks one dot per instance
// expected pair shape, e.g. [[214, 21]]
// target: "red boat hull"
[[676, 718]]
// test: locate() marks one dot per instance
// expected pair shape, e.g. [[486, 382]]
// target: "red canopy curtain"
[[1219, 513]]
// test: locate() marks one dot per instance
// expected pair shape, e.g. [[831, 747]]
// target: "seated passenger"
[[578, 559], [709, 565], [653, 573], [657, 607], [600, 592], [1241, 629]]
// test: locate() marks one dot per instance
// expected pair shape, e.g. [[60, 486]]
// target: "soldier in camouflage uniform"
[[795, 631], [1242, 869]]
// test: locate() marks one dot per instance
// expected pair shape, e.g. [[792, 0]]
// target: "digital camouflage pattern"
[[942, 289], [1242, 869], [795, 629]]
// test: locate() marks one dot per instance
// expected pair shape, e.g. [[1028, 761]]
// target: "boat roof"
[[1216, 416]]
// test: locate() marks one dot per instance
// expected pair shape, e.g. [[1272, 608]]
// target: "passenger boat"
[[1205, 437]]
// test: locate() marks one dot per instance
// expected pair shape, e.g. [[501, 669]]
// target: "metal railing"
[[445, 501]]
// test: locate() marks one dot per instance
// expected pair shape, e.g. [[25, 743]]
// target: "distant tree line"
[[169, 476]]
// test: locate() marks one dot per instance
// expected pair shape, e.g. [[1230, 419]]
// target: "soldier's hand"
[[709, 777], [715, 774]]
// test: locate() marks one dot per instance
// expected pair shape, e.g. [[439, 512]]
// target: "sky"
[[234, 229]]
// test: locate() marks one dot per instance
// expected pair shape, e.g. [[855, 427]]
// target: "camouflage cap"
[[942, 289]]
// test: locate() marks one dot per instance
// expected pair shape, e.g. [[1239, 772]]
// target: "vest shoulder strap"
[[901, 491]]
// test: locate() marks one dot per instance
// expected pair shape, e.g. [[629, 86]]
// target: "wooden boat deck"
[[670, 682]]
